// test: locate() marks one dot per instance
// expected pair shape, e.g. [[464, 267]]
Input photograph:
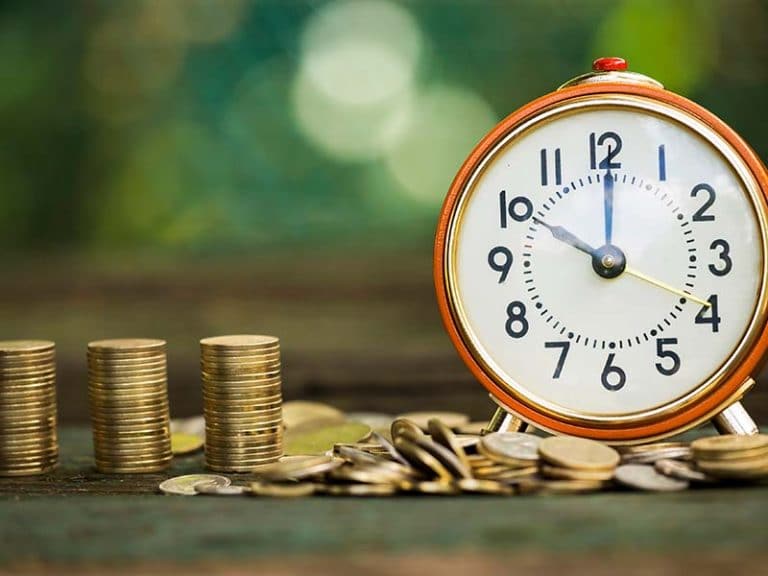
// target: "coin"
[[681, 471], [404, 427], [298, 469], [320, 437], [377, 421], [422, 460], [730, 446], [559, 473], [444, 436], [743, 469], [514, 448], [645, 477], [186, 485], [478, 486], [474, 428], [571, 452], [535, 486], [209, 489], [421, 419], [445, 456], [358, 489], [182, 444], [282, 490]]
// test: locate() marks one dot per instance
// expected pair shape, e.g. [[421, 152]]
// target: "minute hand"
[[564, 235]]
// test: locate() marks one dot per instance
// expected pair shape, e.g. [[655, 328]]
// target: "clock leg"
[[735, 420], [503, 421]]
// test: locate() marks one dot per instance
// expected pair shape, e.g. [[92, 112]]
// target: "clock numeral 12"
[[614, 147], [545, 170]]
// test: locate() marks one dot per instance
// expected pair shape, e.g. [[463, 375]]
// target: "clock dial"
[[606, 261]]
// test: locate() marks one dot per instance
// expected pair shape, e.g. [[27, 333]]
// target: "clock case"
[[722, 404]]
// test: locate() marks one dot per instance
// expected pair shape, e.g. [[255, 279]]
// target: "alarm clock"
[[600, 263]]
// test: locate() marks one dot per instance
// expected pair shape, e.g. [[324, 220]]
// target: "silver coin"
[[644, 477], [512, 445], [214, 490], [186, 485], [653, 456], [681, 471]]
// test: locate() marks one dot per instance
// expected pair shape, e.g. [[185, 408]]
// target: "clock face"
[[606, 261]]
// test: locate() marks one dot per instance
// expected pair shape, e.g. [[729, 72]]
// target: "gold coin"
[[571, 452], [298, 467], [477, 486], [744, 469], [422, 460], [444, 436], [405, 428], [282, 490], [450, 419], [319, 438], [182, 444], [240, 341], [298, 412], [358, 490], [24, 347], [117, 345], [575, 473], [435, 488], [715, 447], [559, 486]]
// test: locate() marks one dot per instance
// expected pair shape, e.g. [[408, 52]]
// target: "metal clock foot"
[[503, 421], [735, 420]]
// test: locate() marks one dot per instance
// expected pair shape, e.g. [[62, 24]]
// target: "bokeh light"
[[443, 126], [356, 75]]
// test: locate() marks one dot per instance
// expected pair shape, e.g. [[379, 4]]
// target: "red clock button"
[[610, 64]]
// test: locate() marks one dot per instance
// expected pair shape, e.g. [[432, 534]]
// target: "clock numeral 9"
[[614, 147], [662, 353], [504, 265], [519, 208], [701, 214], [724, 256], [709, 315], [516, 324], [613, 377], [564, 346]]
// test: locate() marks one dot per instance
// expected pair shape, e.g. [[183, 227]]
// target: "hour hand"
[[564, 235]]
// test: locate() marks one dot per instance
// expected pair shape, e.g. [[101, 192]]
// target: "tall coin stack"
[[128, 396], [28, 441], [242, 401]]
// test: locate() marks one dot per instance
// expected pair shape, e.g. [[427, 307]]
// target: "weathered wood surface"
[[76, 518]]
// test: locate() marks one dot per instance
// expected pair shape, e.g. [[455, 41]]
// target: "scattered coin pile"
[[128, 397], [242, 401], [426, 456], [28, 441]]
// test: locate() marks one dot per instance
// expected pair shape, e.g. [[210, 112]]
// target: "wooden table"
[[79, 521]]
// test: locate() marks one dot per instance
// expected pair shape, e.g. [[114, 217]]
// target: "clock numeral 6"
[[504, 265], [519, 208], [662, 353], [516, 324], [709, 315], [564, 346], [613, 377]]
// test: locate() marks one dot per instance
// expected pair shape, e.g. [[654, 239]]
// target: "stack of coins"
[[28, 442], [732, 457], [242, 401], [128, 394], [567, 458]]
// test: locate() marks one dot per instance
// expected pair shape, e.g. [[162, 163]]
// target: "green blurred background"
[[184, 168]]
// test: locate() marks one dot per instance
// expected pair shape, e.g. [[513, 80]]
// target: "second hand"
[[665, 286]]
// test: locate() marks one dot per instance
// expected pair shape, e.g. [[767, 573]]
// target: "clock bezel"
[[728, 383]]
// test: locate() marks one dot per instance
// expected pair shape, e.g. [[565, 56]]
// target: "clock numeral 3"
[[724, 256], [662, 353], [613, 377], [564, 346], [613, 143], [519, 208], [505, 264], [709, 315], [701, 214], [516, 325]]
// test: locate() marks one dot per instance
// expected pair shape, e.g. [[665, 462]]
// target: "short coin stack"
[[732, 457], [578, 459], [242, 401], [128, 396], [28, 442]]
